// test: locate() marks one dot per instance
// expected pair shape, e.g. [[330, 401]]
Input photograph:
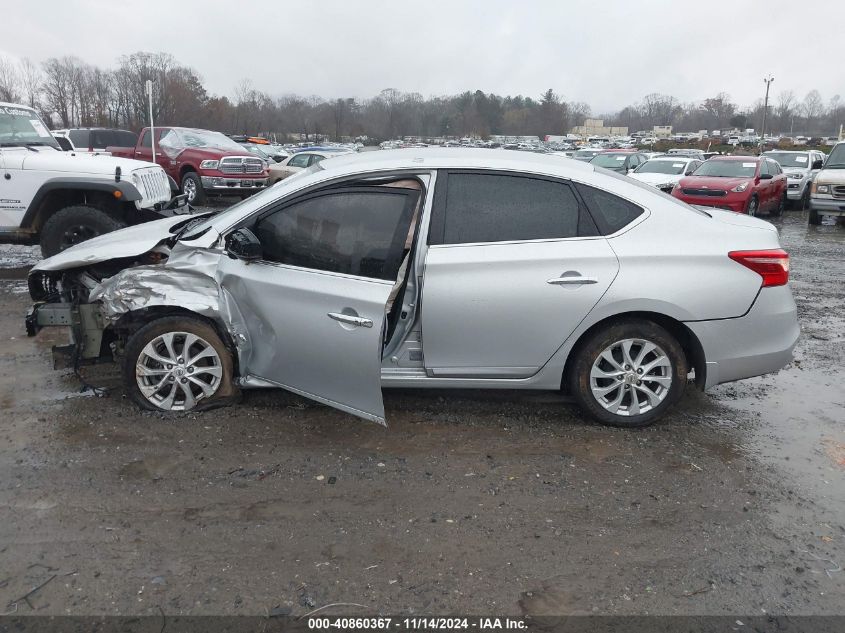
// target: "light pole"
[[768, 81], [148, 88]]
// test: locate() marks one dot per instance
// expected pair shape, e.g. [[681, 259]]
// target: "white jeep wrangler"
[[62, 198]]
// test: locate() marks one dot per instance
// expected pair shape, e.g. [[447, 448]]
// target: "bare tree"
[[9, 81]]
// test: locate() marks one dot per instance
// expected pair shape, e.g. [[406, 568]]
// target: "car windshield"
[[203, 139], [836, 160], [661, 167], [727, 168], [255, 149], [22, 126], [269, 194], [787, 159], [609, 161]]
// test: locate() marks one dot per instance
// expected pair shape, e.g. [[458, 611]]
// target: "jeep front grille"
[[154, 187]]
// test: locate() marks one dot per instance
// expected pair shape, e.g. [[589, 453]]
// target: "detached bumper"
[[828, 206], [86, 328], [231, 185], [761, 342]]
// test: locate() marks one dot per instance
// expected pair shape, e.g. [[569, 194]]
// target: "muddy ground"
[[510, 503]]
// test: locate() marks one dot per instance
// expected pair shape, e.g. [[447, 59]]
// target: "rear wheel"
[[753, 206], [778, 211], [629, 373], [192, 188], [73, 225], [177, 364]]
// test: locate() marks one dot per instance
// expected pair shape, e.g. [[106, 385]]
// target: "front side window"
[[482, 207], [360, 231]]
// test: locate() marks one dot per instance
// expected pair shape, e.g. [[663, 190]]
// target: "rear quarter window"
[[610, 212]]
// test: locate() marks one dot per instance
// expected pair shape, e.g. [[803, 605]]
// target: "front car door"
[[514, 264], [312, 310]]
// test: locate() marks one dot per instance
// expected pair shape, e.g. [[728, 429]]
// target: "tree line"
[[70, 92]]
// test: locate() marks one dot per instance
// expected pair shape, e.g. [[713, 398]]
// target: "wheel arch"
[[184, 169], [54, 195], [688, 341]]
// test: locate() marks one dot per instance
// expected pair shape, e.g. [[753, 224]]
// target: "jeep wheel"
[[178, 363], [73, 225], [192, 188]]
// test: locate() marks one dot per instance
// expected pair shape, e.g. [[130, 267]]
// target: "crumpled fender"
[[149, 286]]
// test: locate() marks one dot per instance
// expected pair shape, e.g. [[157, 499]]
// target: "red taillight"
[[772, 266]]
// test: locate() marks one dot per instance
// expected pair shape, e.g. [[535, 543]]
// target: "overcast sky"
[[608, 53]]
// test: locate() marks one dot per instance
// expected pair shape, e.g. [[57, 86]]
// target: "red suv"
[[201, 162], [744, 184]]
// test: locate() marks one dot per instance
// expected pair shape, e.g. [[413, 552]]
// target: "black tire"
[[805, 198], [753, 207], [587, 353], [224, 390], [778, 211], [194, 190], [815, 217], [73, 225]]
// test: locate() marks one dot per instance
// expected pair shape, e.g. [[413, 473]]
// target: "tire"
[[815, 218], [753, 206], [805, 198], [73, 225], [615, 407], [778, 211], [192, 186], [200, 379]]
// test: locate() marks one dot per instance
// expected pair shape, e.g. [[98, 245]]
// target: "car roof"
[[747, 159], [673, 159], [457, 158]]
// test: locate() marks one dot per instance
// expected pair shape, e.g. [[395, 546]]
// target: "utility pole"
[[768, 81], [148, 88]]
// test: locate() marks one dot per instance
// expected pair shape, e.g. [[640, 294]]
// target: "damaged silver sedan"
[[430, 268]]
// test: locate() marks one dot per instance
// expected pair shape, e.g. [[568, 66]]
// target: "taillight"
[[772, 266]]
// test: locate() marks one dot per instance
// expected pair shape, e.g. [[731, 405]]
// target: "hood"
[[656, 179], [79, 163], [128, 242], [795, 170], [831, 177], [712, 182]]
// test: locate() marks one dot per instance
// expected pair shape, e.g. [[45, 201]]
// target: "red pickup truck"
[[202, 162]]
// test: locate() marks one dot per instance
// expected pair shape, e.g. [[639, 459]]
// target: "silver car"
[[800, 169], [431, 268]]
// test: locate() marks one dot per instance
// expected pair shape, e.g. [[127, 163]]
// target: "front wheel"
[[178, 364], [629, 373], [753, 206], [73, 225], [192, 188], [815, 217]]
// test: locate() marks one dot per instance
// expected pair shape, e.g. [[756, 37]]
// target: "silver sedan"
[[431, 268]]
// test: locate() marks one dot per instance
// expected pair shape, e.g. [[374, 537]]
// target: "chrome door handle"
[[351, 320], [572, 281]]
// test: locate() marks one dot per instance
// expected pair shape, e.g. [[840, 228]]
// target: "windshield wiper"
[[24, 145]]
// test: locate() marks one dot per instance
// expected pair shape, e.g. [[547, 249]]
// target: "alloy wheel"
[[190, 189], [176, 370], [631, 377], [752, 207]]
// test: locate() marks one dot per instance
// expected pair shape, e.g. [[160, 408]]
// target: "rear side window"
[[483, 207], [300, 160], [610, 212], [79, 138], [356, 232]]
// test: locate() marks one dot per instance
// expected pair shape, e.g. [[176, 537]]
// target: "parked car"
[[96, 139], [692, 153], [621, 161], [586, 155], [59, 199], [800, 169], [827, 196], [665, 172], [534, 271], [301, 160], [202, 162], [743, 184]]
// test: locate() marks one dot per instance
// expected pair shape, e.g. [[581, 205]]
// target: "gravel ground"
[[473, 502]]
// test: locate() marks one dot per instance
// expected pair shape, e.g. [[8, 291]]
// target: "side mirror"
[[242, 244], [766, 176], [817, 164]]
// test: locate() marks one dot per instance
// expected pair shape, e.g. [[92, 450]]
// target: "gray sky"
[[608, 53]]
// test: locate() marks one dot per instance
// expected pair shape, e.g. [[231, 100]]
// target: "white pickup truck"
[[61, 198]]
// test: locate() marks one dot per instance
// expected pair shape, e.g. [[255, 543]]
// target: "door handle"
[[572, 281], [350, 320]]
